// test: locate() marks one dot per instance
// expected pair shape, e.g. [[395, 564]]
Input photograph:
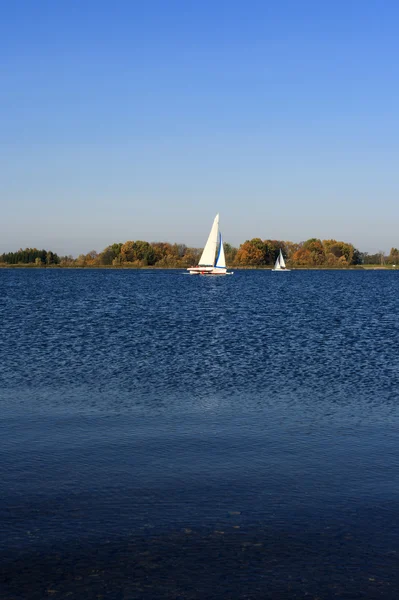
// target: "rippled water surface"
[[170, 436]]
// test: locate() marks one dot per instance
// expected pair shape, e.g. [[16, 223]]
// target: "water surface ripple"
[[168, 436]]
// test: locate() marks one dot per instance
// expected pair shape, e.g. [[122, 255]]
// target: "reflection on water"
[[170, 436]]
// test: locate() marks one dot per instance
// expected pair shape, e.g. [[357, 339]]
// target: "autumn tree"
[[251, 253], [310, 253], [67, 261], [302, 257], [162, 250], [290, 249], [138, 252], [92, 258], [81, 260], [315, 248]]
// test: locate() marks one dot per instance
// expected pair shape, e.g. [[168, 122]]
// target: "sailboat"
[[212, 261], [280, 263]]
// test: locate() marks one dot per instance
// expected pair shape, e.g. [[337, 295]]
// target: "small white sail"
[[208, 255], [282, 261], [221, 260]]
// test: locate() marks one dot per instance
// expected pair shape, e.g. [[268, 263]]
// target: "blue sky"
[[142, 119]]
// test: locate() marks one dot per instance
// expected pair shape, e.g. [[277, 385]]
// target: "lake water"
[[170, 436]]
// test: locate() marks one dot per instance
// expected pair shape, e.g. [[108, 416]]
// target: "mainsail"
[[208, 255], [213, 260]]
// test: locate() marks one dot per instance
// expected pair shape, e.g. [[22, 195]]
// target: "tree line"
[[252, 253], [30, 255]]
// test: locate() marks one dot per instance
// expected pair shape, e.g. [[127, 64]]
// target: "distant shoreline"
[[252, 254], [155, 268]]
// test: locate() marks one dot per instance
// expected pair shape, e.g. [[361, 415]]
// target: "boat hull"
[[280, 270], [207, 271]]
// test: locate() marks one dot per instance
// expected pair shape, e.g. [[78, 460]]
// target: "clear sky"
[[141, 119]]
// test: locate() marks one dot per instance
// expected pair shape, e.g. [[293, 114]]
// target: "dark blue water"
[[170, 436]]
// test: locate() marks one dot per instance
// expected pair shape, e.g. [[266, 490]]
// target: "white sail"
[[277, 263], [282, 261], [209, 263], [221, 260], [209, 252]]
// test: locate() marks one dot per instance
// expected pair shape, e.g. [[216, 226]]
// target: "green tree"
[[107, 256], [230, 253], [393, 258]]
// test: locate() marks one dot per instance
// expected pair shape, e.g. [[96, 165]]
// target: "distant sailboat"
[[210, 263], [280, 263]]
